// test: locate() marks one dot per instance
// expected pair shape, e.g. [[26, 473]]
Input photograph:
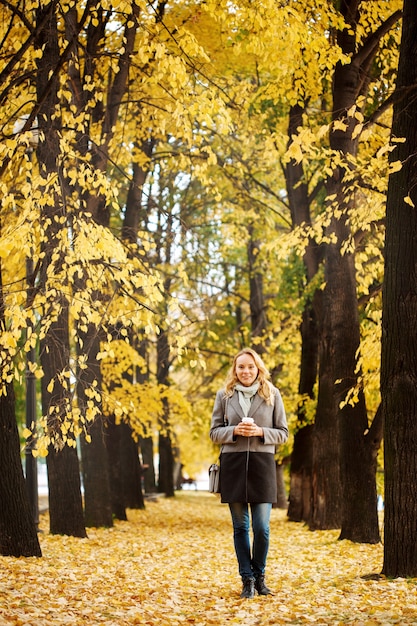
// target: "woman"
[[249, 421]]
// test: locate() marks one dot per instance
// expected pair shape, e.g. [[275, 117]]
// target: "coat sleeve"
[[219, 433], [279, 432]]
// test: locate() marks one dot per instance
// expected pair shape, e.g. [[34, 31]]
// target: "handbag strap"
[[225, 419]]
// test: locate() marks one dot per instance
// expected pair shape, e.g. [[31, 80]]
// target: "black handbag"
[[214, 478], [214, 469]]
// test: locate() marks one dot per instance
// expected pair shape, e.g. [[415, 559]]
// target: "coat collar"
[[235, 405]]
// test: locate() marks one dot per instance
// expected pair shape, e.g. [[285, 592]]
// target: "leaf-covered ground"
[[173, 564]]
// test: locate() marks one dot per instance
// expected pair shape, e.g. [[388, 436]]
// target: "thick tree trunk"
[[399, 337], [112, 440], [301, 493], [131, 469], [64, 485], [97, 499], [166, 466], [282, 498], [18, 536], [326, 488], [65, 502], [299, 500], [95, 464]]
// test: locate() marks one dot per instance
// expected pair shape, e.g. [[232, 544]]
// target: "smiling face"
[[246, 370]]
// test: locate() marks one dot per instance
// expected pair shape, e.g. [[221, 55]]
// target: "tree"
[[65, 504], [340, 334], [399, 338], [341, 426]]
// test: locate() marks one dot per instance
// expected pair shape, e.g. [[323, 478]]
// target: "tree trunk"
[[132, 470], [300, 497], [113, 443], [166, 466], [146, 447], [399, 336], [65, 503], [95, 464], [282, 499], [166, 455], [18, 536], [326, 488], [135, 476], [259, 321], [97, 500], [299, 500]]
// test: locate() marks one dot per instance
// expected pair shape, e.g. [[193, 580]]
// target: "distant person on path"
[[249, 422]]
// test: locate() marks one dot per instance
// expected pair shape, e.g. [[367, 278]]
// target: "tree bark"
[[166, 465], [301, 493], [299, 500], [399, 324], [112, 436], [18, 536], [259, 321], [166, 455], [146, 446], [64, 487], [95, 462], [131, 469], [282, 499], [65, 504]]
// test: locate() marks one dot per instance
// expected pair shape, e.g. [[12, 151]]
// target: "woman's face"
[[246, 370]]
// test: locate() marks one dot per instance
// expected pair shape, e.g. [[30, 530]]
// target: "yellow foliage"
[[211, 84]]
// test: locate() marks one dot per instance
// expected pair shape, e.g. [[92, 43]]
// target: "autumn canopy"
[[179, 180]]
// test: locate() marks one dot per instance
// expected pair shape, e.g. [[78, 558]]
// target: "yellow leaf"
[[339, 125], [295, 152]]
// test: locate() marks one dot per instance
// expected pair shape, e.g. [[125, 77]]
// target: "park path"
[[173, 564]]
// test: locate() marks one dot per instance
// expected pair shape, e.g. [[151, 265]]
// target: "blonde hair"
[[266, 389]]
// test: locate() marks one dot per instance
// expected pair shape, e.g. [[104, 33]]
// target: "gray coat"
[[247, 464]]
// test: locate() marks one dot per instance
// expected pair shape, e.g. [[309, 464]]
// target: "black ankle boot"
[[248, 590], [260, 586]]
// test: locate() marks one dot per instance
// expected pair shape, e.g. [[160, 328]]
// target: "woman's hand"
[[248, 430]]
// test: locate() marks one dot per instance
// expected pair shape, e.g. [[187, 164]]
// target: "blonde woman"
[[248, 422]]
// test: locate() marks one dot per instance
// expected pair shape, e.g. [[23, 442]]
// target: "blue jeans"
[[251, 565]]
